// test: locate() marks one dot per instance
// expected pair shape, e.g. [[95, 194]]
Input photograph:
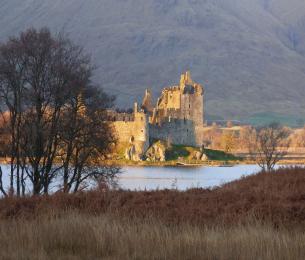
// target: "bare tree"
[[41, 75], [228, 141], [107, 177], [246, 138], [86, 137], [270, 146], [298, 138], [54, 70], [2, 189], [12, 85]]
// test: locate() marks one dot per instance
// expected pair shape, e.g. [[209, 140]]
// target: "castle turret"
[[135, 107], [178, 116], [185, 80], [182, 80], [147, 102], [192, 100], [188, 78]]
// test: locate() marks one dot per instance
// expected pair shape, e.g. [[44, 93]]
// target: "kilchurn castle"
[[177, 117]]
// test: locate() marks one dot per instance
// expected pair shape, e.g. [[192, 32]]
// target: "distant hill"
[[250, 54]]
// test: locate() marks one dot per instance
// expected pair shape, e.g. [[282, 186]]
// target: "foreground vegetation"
[[78, 236], [258, 217]]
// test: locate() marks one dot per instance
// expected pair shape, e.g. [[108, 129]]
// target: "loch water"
[[181, 178]]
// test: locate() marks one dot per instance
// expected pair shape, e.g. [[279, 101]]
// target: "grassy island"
[[177, 154]]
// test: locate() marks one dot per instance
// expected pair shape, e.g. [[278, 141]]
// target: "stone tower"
[[192, 94], [140, 130], [177, 118], [179, 113]]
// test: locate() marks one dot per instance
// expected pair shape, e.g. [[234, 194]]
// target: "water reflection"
[[182, 178]]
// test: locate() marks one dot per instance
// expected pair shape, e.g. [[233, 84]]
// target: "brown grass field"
[[258, 217]]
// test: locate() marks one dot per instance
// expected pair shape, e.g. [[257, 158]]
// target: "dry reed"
[[258, 217], [78, 236]]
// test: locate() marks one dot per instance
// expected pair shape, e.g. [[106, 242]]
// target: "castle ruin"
[[177, 117]]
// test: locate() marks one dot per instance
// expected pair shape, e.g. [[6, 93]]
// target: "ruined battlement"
[[178, 115], [183, 102], [114, 116]]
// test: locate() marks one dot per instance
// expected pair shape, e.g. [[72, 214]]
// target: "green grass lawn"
[[216, 155], [186, 152], [178, 151]]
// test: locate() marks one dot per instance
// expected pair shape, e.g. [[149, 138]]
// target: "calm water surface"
[[182, 178]]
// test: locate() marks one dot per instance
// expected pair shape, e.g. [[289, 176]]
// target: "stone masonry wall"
[[136, 131], [177, 117], [176, 131], [192, 108]]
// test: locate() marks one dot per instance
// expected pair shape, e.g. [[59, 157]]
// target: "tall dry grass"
[[258, 217], [78, 236]]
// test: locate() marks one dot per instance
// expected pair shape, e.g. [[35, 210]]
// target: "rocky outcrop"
[[131, 154], [200, 155], [156, 153], [197, 156], [204, 157]]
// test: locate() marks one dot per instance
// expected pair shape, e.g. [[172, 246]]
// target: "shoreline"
[[182, 164], [191, 164]]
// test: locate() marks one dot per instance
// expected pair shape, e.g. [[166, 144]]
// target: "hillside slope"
[[251, 52]]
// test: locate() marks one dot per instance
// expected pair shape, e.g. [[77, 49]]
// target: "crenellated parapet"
[[178, 115], [184, 101]]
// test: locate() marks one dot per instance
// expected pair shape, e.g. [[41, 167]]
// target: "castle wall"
[[173, 99], [177, 131], [114, 116], [136, 131], [178, 117], [199, 135], [192, 108], [179, 114]]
